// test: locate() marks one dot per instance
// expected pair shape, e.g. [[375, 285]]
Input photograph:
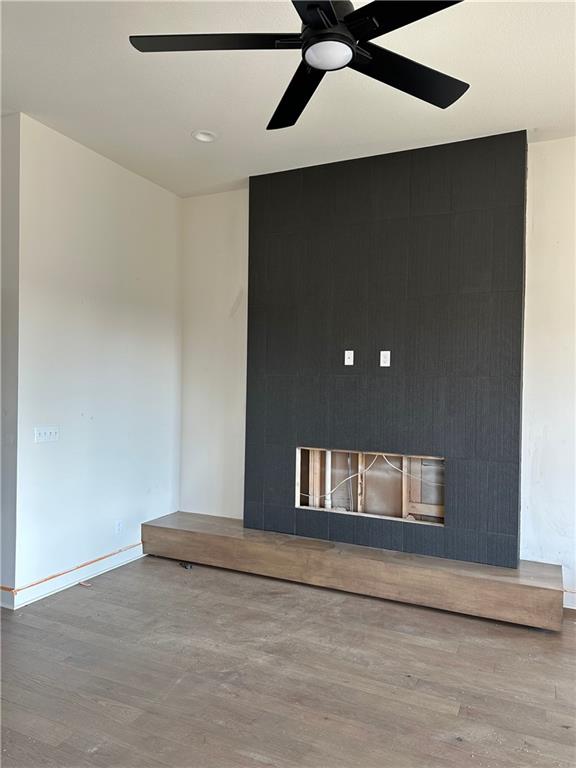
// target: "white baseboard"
[[30, 594]]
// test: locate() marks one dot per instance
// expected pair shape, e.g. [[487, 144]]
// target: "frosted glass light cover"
[[328, 54]]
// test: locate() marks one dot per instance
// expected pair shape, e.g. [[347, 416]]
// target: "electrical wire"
[[403, 472], [368, 468], [346, 479]]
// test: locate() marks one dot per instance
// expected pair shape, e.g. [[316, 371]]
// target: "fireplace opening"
[[409, 488]]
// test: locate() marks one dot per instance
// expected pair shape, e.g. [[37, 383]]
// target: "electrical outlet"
[[118, 527], [384, 358], [349, 357], [46, 434]]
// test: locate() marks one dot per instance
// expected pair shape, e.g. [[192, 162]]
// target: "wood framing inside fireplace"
[[408, 488]]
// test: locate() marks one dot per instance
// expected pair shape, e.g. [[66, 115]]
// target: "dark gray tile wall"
[[419, 252]]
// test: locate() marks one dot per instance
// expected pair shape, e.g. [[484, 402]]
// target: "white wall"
[[548, 518], [214, 368], [100, 351], [214, 311], [9, 413], [99, 354]]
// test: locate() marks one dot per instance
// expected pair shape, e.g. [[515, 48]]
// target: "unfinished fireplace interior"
[[408, 488]]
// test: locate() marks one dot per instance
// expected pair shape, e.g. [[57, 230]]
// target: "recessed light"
[[206, 137]]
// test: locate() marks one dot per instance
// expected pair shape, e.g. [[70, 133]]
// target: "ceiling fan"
[[333, 36]]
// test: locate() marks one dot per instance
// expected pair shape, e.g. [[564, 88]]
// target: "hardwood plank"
[[20, 751], [530, 595], [157, 666], [21, 721]]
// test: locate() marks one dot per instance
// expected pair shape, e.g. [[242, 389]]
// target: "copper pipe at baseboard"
[[14, 590]]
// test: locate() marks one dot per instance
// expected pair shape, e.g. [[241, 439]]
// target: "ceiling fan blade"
[[406, 75], [299, 92], [380, 17], [318, 15], [226, 42]]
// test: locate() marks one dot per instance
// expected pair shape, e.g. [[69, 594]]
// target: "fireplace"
[[415, 262]]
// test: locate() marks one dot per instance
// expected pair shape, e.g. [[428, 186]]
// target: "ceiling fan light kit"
[[333, 36], [328, 55]]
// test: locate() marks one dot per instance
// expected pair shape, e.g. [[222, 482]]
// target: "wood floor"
[[155, 665]]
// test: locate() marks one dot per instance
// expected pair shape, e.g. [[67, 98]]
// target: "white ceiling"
[[69, 65]]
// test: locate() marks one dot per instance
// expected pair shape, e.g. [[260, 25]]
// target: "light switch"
[[46, 434], [384, 358], [349, 357]]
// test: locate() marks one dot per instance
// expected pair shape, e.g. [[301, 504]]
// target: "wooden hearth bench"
[[531, 594]]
